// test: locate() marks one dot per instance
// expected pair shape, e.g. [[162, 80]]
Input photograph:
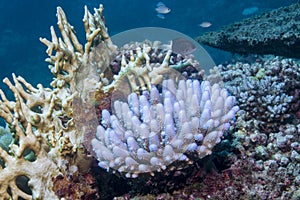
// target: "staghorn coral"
[[148, 63], [27, 136], [153, 130], [41, 119]]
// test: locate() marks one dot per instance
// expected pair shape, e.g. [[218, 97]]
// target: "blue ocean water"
[[23, 22]]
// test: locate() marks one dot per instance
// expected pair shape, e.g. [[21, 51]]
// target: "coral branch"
[[41, 121]]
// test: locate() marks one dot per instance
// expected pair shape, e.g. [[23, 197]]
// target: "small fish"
[[162, 8], [162, 16], [205, 24], [250, 10], [182, 46]]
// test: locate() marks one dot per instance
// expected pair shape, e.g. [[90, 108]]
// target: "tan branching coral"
[[69, 55], [29, 120], [146, 64], [41, 119], [141, 74]]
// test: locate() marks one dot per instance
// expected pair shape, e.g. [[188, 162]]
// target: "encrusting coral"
[[52, 127], [268, 91]]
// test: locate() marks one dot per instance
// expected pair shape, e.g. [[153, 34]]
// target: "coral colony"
[[155, 129], [160, 118]]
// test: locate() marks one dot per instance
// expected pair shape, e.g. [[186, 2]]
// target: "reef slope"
[[276, 32]]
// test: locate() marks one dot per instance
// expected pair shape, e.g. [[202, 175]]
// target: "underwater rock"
[[276, 32]]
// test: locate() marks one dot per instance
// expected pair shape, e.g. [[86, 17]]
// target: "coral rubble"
[[276, 32]]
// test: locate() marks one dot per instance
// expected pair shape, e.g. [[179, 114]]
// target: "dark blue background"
[[23, 22]]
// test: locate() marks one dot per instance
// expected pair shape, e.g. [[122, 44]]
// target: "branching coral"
[[153, 130], [31, 108], [41, 119], [147, 63], [69, 64]]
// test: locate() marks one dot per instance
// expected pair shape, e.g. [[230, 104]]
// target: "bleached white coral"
[[152, 130]]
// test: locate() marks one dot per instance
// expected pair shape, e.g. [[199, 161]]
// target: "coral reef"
[[260, 158], [265, 155], [42, 150], [267, 91], [147, 111], [267, 131], [45, 150], [275, 32]]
